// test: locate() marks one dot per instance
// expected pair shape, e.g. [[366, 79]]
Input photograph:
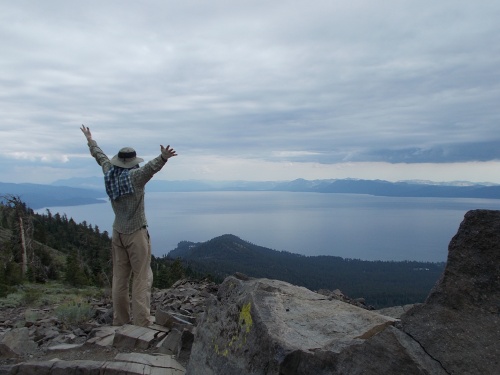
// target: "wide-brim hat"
[[126, 158]]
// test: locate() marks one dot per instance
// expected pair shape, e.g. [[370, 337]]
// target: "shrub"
[[74, 312], [31, 315], [31, 295], [12, 300]]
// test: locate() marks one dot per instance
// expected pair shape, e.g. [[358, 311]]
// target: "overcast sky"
[[253, 90]]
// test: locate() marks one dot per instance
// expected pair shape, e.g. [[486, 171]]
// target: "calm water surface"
[[345, 225]]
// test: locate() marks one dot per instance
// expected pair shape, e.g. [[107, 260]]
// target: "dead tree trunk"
[[24, 252], [20, 213]]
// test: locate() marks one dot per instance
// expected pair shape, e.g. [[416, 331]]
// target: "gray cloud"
[[449, 153], [327, 82]]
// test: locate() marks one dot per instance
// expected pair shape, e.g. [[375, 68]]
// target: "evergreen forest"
[[38, 248]]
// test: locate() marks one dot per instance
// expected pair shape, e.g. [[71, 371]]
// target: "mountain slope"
[[380, 283]]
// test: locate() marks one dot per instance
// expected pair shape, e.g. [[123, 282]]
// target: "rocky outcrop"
[[459, 325], [261, 326]]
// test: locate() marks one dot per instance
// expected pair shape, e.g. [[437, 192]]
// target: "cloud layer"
[[255, 85]]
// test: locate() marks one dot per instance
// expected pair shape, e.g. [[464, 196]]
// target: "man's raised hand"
[[86, 131], [167, 153]]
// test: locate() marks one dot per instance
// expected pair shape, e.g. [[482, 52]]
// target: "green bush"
[[12, 300], [31, 296], [31, 315], [74, 312]]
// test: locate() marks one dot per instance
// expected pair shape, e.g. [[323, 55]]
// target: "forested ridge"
[[381, 283]]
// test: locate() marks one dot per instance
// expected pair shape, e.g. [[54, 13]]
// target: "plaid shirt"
[[117, 181], [129, 209]]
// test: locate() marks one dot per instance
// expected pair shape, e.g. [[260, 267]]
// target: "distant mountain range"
[[37, 196], [393, 189], [86, 190], [380, 283], [456, 189]]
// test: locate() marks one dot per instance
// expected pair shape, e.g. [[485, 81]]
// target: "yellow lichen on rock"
[[239, 337], [246, 316]]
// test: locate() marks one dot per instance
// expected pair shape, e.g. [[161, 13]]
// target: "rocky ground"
[[41, 333], [49, 332]]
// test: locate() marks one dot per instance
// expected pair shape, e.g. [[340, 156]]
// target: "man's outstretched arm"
[[142, 175], [95, 150]]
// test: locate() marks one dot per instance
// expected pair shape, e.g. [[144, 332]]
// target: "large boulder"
[[459, 325], [262, 326], [16, 343]]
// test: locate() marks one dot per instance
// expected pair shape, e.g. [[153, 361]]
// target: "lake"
[[346, 225]]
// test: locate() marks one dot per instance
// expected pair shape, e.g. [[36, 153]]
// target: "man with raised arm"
[[125, 181]]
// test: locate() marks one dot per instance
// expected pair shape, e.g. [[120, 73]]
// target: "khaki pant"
[[131, 256]]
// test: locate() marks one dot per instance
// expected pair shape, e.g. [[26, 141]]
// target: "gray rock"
[[64, 347], [159, 361], [338, 295], [395, 311], [459, 323], [102, 336], [130, 336], [262, 326], [28, 368], [187, 339], [104, 315], [130, 364], [80, 367], [16, 343], [46, 334], [171, 344], [186, 300], [390, 352], [171, 320]]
